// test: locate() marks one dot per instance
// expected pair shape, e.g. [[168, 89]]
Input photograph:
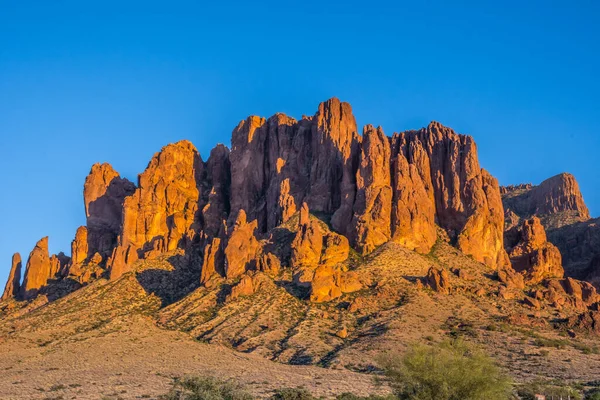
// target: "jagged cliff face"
[[103, 193], [374, 188], [369, 189], [277, 164], [466, 198], [163, 212]]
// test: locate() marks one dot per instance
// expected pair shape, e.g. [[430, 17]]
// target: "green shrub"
[[594, 394], [450, 370], [551, 390], [351, 396], [204, 388], [292, 394]]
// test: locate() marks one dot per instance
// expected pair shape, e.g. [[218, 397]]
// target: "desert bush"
[[205, 388], [451, 370], [351, 396], [594, 394], [556, 390], [292, 394]]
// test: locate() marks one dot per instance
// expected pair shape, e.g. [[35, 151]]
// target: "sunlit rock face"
[[104, 192], [13, 284], [162, 214]]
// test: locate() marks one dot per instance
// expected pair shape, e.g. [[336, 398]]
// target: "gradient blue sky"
[[88, 81]]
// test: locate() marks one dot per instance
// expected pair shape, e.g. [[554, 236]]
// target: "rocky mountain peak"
[[557, 201]]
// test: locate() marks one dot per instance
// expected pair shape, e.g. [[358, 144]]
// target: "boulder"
[[325, 284], [588, 321], [570, 293], [438, 279], [512, 279], [531, 302]]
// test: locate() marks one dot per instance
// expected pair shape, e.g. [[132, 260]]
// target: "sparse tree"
[[451, 370]]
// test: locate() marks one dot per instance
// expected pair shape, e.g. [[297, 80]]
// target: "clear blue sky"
[[88, 81]]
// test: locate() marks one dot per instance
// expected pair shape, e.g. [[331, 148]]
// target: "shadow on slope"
[[171, 277]]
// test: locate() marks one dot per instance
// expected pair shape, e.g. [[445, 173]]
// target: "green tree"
[[451, 370]]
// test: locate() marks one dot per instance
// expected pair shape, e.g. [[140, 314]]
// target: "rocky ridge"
[[308, 197]]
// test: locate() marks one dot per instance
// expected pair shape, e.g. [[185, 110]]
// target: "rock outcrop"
[[103, 193], [335, 148], [40, 268], [278, 163], [213, 261], [588, 321], [438, 280], [79, 246], [371, 224], [313, 245], [248, 285], [413, 207], [466, 198], [533, 256], [162, 214], [374, 189], [218, 180], [13, 284], [316, 255], [569, 292], [243, 248]]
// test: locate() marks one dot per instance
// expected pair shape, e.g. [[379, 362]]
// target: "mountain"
[[308, 244]]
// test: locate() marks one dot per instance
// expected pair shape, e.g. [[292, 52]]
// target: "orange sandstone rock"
[[438, 280], [13, 284], [373, 205], [242, 247], [413, 208], [79, 246], [104, 192], [161, 215], [39, 269], [534, 257]]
